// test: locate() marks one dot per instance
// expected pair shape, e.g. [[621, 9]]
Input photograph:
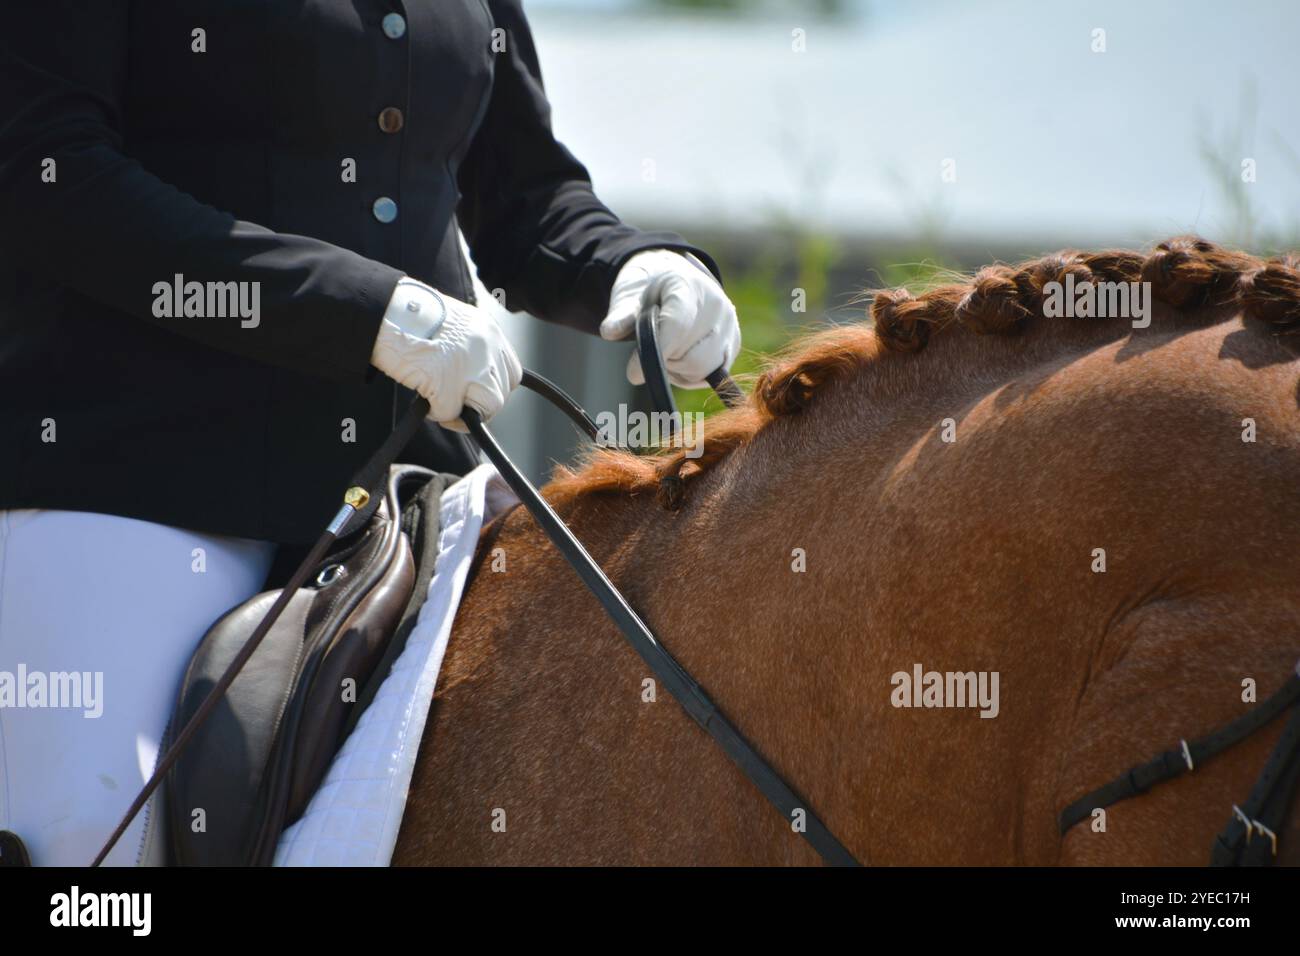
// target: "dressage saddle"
[[252, 767]]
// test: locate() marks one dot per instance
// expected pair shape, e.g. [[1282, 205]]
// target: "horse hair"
[[1185, 272]]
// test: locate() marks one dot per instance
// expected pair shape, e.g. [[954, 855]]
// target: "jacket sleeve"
[[533, 223], [73, 206]]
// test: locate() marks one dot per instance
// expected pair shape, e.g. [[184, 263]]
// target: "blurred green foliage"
[[1221, 152], [1223, 149], [917, 269], [765, 295]]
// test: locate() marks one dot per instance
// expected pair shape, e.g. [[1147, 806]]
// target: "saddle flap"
[[253, 767], [213, 788]]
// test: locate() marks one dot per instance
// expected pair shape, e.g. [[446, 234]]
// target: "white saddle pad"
[[354, 817]]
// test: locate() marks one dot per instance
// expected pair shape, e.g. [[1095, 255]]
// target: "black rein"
[[671, 674]]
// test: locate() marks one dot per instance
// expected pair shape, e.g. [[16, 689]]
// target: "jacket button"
[[385, 209], [391, 120], [394, 26]]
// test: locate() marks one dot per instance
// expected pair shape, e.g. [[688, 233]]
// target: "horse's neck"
[[800, 568]]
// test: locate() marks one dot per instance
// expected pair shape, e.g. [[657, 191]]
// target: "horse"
[[1101, 513]]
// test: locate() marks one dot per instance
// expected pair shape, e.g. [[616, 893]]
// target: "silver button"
[[385, 209], [394, 26]]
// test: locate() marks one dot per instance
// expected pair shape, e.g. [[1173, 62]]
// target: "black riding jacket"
[[310, 150]]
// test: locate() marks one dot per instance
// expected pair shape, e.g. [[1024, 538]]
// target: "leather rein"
[[689, 694]]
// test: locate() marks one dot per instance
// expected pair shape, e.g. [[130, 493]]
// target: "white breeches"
[[99, 615]]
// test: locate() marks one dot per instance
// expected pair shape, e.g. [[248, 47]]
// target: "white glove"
[[452, 353], [698, 331]]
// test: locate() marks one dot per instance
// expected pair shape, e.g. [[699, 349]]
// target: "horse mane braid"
[[1186, 273]]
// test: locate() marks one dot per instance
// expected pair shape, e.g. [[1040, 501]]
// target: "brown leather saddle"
[[253, 766]]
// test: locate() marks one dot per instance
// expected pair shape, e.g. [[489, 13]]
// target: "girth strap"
[[1187, 756]]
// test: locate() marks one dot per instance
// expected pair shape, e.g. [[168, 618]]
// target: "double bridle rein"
[[671, 674]]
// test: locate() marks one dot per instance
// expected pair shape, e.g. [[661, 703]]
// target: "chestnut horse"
[[1107, 517]]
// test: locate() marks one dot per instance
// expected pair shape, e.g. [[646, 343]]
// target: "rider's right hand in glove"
[[452, 353]]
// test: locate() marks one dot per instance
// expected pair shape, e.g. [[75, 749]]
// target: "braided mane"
[[1186, 273]]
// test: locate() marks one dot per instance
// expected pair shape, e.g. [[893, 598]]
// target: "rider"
[[217, 226]]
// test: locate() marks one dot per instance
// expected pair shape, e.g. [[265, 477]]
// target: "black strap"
[[1176, 762], [561, 400], [1250, 837], [373, 475], [652, 366], [671, 674], [656, 375], [661, 392], [726, 388]]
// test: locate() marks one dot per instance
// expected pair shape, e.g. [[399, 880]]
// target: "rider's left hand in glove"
[[697, 327]]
